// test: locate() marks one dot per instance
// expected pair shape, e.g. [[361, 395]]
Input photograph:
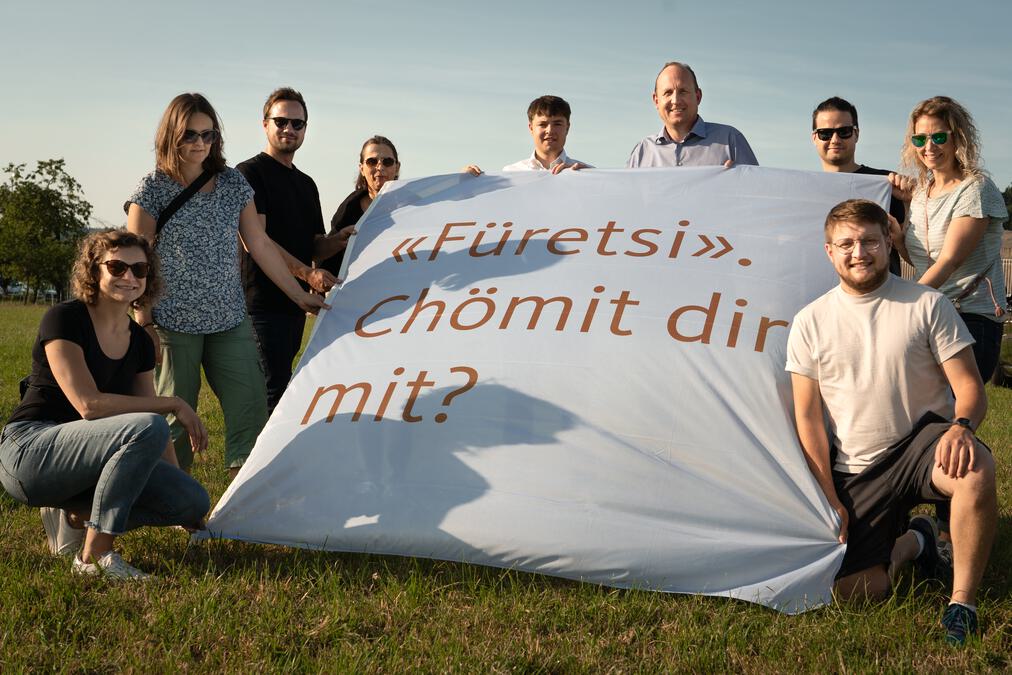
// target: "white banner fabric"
[[579, 375]]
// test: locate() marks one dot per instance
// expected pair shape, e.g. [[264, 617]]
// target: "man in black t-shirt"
[[835, 133], [288, 204]]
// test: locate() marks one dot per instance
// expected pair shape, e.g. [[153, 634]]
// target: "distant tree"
[[43, 215]]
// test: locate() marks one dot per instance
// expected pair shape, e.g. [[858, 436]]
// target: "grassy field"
[[227, 606]]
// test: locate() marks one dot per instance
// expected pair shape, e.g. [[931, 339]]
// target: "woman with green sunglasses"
[[953, 232]]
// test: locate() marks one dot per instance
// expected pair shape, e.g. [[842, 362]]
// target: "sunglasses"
[[386, 161], [842, 132], [118, 268], [282, 122], [938, 138], [847, 245], [209, 136]]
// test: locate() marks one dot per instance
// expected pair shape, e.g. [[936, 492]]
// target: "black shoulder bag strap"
[[181, 199]]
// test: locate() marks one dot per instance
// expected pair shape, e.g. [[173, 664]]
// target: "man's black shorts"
[[879, 499]]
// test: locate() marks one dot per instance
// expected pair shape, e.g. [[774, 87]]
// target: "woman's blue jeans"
[[110, 467]]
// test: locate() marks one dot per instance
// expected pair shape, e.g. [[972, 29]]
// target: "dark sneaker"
[[960, 622], [945, 554], [929, 564]]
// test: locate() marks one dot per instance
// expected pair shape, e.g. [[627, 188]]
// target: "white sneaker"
[[110, 565], [61, 537]]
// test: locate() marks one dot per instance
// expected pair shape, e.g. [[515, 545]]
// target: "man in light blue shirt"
[[686, 139]]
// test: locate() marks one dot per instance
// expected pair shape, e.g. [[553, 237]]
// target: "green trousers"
[[232, 367]]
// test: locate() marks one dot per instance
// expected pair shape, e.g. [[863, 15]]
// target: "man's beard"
[[285, 147], [871, 283]]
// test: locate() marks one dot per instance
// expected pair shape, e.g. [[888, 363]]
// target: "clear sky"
[[449, 82]]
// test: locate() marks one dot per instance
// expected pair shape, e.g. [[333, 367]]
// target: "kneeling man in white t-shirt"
[[891, 363]]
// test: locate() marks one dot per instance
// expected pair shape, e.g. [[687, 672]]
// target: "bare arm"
[[328, 245], [956, 450], [815, 443], [897, 235], [266, 255], [319, 280], [144, 387], [66, 359], [961, 238], [141, 222]]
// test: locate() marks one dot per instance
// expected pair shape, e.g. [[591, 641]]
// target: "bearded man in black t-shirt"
[[835, 133], [288, 204]]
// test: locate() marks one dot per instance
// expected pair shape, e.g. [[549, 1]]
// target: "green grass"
[[227, 606]]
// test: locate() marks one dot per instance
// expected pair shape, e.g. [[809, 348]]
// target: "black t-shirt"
[[70, 321], [896, 210], [348, 213], [291, 203]]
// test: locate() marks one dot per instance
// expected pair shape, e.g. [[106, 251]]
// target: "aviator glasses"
[[938, 138]]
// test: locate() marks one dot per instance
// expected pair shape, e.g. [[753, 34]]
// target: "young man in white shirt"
[[548, 122]]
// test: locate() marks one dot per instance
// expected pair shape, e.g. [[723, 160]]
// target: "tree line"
[[43, 216]]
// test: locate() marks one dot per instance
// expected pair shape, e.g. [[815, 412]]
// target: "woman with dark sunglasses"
[[201, 320], [89, 442], [954, 227], [377, 164]]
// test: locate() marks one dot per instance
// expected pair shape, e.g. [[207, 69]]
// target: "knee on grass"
[[869, 584]]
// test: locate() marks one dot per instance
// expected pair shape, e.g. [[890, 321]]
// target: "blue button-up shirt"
[[707, 144]]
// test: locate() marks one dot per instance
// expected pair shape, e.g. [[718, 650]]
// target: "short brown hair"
[[169, 136], [84, 276], [839, 105], [683, 66], [549, 106], [856, 211], [285, 94], [964, 135]]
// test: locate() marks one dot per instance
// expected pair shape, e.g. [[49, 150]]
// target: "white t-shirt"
[[877, 360]]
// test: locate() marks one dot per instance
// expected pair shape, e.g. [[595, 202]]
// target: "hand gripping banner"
[[579, 375]]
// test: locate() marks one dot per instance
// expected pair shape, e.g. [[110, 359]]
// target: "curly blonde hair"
[[85, 274], [964, 136]]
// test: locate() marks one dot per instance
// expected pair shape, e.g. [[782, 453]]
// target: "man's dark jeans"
[[279, 338]]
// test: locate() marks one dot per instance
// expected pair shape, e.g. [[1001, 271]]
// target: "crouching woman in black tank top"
[[89, 440]]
